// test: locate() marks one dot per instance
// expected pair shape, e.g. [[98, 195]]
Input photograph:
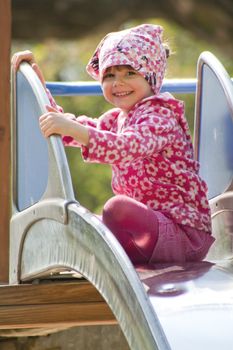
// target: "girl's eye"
[[108, 75], [131, 72]]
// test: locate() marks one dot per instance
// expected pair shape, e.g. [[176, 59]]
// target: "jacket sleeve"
[[103, 122], [148, 135], [84, 120], [53, 102]]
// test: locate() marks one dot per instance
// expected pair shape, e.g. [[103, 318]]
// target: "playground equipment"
[[54, 240]]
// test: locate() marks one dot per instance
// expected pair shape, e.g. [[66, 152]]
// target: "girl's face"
[[124, 87]]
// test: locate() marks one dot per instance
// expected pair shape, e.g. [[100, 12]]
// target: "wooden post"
[[5, 40]]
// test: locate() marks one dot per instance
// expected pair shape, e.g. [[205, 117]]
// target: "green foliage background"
[[66, 61]]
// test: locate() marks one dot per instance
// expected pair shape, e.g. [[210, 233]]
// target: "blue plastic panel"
[[216, 135], [31, 147]]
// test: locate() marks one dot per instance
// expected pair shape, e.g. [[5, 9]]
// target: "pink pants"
[[148, 236]]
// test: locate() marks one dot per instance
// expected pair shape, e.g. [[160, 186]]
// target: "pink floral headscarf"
[[140, 47]]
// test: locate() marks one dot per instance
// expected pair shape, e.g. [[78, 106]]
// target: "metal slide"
[[51, 232], [162, 306]]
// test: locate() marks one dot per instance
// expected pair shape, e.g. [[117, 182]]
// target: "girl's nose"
[[118, 81]]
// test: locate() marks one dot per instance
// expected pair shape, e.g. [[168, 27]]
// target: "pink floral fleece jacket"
[[152, 161]]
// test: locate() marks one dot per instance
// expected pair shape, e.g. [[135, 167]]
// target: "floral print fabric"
[[151, 155], [140, 47]]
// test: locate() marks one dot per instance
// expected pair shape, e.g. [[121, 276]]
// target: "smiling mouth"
[[122, 94]]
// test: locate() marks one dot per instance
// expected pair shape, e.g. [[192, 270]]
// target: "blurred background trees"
[[209, 19], [63, 35]]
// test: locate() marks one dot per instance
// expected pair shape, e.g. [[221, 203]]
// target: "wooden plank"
[[55, 315], [52, 305], [5, 40], [49, 293]]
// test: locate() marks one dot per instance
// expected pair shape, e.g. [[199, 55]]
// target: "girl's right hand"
[[21, 56], [27, 56]]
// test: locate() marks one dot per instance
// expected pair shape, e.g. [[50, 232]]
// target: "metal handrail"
[[88, 88], [93, 88]]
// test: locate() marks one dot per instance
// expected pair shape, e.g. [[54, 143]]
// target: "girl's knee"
[[115, 209]]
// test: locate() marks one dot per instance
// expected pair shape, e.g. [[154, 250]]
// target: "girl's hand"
[[28, 57], [21, 56], [55, 122]]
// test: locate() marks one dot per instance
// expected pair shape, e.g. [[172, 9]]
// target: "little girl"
[[160, 211]]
